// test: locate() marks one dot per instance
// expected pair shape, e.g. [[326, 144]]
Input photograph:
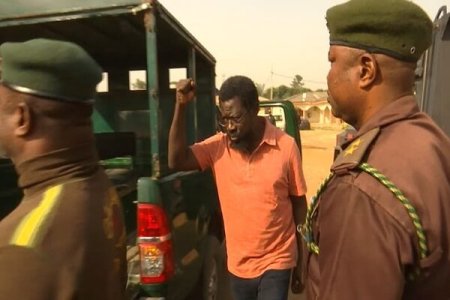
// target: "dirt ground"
[[317, 149]]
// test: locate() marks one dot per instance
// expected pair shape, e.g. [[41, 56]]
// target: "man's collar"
[[399, 109], [57, 166], [270, 134]]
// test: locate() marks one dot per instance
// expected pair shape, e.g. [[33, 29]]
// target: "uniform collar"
[[56, 167], [400, 109]]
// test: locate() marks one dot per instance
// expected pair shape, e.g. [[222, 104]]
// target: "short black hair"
[[241, 87]]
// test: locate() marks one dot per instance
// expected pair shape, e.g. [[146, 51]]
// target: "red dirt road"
[[317, 149]]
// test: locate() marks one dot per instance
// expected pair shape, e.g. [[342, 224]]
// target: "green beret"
[[398, 28], [52, 69]]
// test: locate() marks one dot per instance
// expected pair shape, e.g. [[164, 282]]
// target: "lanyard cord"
[[307, 231]]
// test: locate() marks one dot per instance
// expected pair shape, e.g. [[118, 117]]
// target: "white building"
[[314, 106]]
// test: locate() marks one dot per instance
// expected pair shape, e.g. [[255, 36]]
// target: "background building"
[[314, 107]]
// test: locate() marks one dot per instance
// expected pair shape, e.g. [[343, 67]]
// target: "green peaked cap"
[[398, 28], [53, 69]]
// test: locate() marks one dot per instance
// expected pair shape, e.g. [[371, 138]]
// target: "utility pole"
[[271, 84]]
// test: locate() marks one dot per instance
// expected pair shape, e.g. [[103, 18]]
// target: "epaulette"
[[352, 155]]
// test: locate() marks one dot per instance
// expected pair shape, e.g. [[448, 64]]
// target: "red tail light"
[[152, 221], [155, 245]]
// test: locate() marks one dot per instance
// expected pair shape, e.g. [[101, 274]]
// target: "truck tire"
[[212, 268]]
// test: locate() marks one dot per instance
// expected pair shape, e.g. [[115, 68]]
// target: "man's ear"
[[22, 119], [368, 70]]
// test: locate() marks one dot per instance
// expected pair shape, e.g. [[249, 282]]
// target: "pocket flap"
[[431, 259]]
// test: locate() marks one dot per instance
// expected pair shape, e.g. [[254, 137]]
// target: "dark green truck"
[[433, 73], [173, 220]]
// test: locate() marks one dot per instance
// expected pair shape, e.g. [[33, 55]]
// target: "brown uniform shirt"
[[66, 239], [366, 238]]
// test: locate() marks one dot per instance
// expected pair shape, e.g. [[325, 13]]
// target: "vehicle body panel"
[[433, 73]]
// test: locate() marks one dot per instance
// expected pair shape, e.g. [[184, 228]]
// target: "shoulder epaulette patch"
[[351, 156]]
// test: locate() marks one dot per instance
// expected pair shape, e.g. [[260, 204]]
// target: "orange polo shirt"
[[254, 196]]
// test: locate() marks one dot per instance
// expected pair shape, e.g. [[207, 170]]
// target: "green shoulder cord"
[[312, 210]]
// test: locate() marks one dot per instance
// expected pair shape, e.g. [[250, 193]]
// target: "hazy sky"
[[252, 37]]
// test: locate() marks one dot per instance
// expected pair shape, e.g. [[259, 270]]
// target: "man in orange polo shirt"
[[261, 188]]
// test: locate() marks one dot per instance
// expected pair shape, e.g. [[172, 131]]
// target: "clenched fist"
[[185, 91]]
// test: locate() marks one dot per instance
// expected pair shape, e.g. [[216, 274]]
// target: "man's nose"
[[230, 126]]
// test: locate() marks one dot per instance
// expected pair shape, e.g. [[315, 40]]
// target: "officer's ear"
[[368, 70], [22, 119]]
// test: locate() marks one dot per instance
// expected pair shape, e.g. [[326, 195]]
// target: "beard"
[[240, 144]]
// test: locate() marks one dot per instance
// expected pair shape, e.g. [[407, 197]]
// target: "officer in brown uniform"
[[379, 226], [66, 239]]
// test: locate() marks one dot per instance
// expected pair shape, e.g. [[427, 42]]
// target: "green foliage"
[[139, 85], [282, 92], [260, 88], [297, 82], [297, 85]]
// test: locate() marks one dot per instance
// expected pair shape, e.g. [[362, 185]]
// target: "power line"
[[281, 75], [305, 80], [314, 81]]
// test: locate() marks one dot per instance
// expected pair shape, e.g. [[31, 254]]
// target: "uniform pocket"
[[429, 264]]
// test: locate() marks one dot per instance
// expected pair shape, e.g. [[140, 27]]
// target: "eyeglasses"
[[223, 121]]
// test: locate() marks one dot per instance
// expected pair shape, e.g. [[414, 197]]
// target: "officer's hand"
[[185, 91], [296, 281]]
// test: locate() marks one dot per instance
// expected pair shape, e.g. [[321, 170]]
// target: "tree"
[[304, 90], [283, 92], [279, 93], [260, 87], [139, 85], [266, 93], [297, 82]]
